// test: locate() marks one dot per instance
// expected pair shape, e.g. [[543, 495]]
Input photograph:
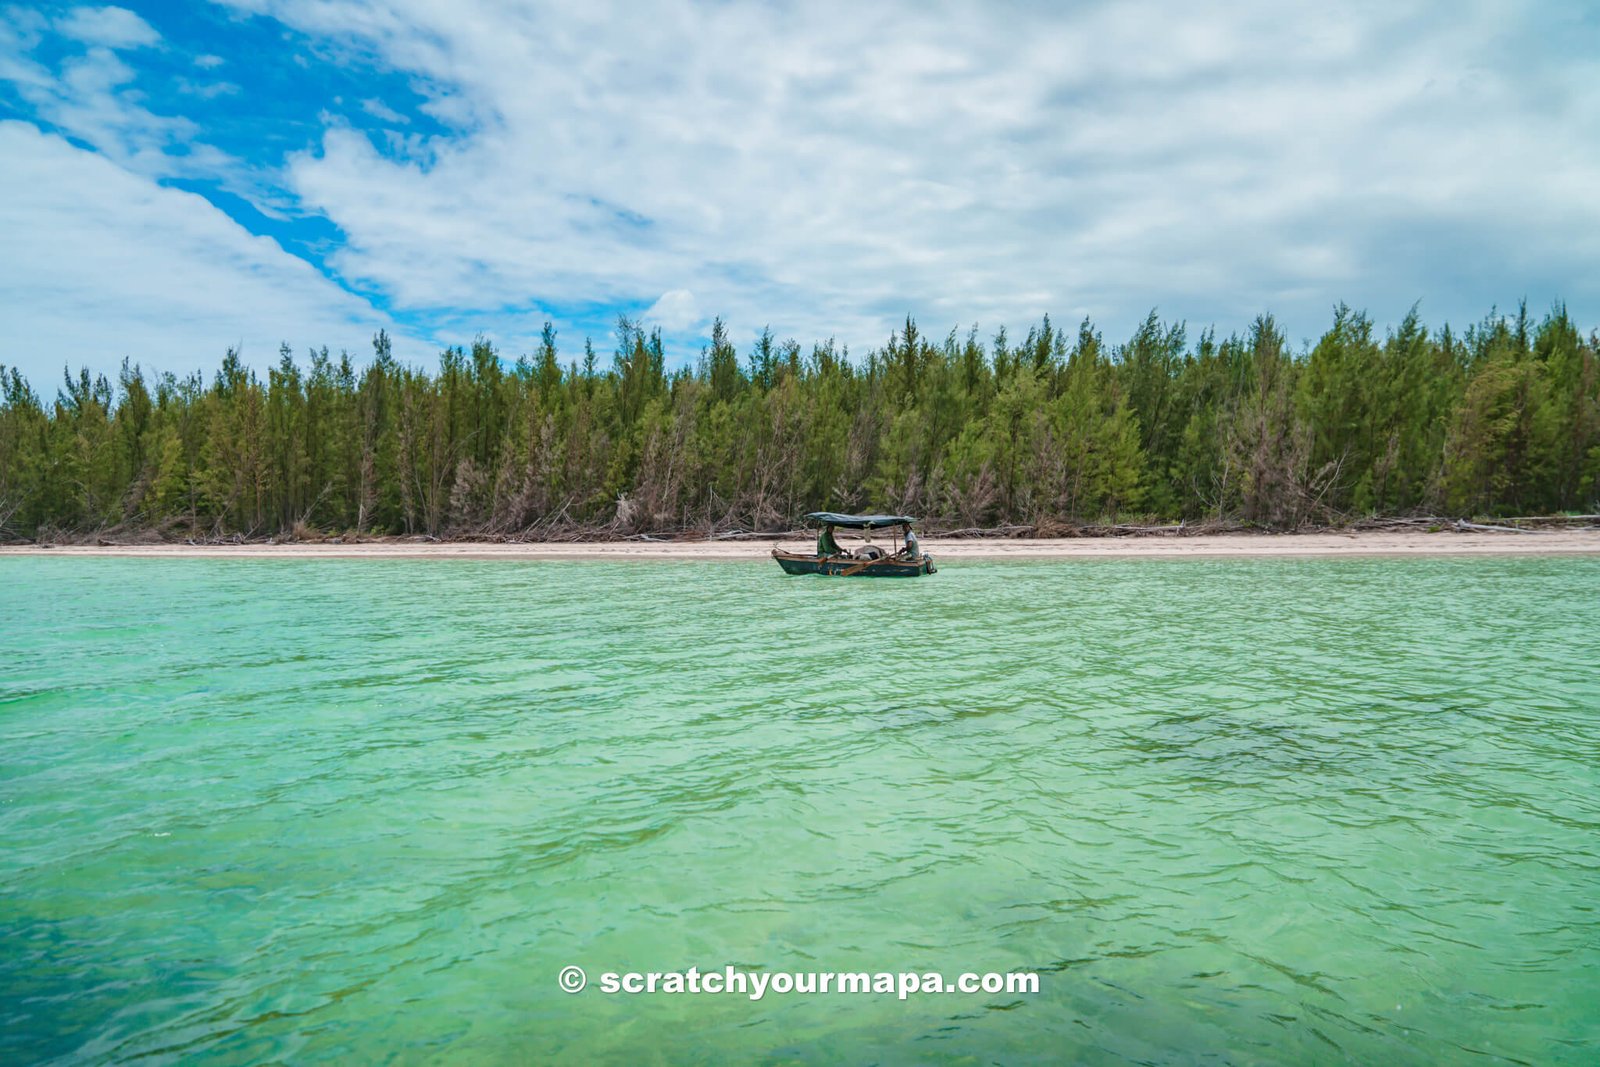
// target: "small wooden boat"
[[905, 559]]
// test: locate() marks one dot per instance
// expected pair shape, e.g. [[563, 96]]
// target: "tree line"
[[1053, 428]]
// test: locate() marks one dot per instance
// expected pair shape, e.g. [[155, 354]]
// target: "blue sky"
[[179, 177]]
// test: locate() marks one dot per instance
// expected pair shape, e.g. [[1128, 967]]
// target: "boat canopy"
[[859, 522]]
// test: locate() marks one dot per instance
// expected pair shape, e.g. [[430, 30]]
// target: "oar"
[[864, 564]]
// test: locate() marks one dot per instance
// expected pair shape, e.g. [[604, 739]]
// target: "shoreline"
[[1198, 546]]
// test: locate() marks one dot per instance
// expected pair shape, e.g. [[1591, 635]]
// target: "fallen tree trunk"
[[1463, 524], [993, 531]]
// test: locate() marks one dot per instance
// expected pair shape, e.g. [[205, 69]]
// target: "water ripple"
[[1263, 811]]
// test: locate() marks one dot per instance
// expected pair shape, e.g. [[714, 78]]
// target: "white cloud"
[[379, 110], [98, 263], [90, 96], [829, 168], [826, 169], [675, 312], [112, 27], [208, 61], [207, 90]]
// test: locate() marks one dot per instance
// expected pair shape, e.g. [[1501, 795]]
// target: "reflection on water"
[[1261, 811]]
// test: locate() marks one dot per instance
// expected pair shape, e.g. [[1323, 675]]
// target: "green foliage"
[[1056, 428]]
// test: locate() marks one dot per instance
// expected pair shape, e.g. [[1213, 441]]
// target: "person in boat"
[[827, 546], [913, 548]]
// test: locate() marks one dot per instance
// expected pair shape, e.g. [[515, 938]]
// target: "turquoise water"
[[1229, 811]]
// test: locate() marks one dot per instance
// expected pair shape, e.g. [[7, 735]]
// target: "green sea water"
[[1228, 811]]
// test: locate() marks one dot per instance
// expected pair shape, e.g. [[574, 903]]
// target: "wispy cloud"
[[827, 168], [112, 27], [98, 263], [89, 95], [830, 168], [379, 110], [206, 90]]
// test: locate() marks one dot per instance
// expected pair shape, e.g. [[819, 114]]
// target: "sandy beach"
[[1353, 543]]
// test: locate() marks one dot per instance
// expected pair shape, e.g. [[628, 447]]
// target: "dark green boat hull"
[[855, 568]]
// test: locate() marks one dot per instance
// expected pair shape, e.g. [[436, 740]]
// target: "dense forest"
[[1050, 430]]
